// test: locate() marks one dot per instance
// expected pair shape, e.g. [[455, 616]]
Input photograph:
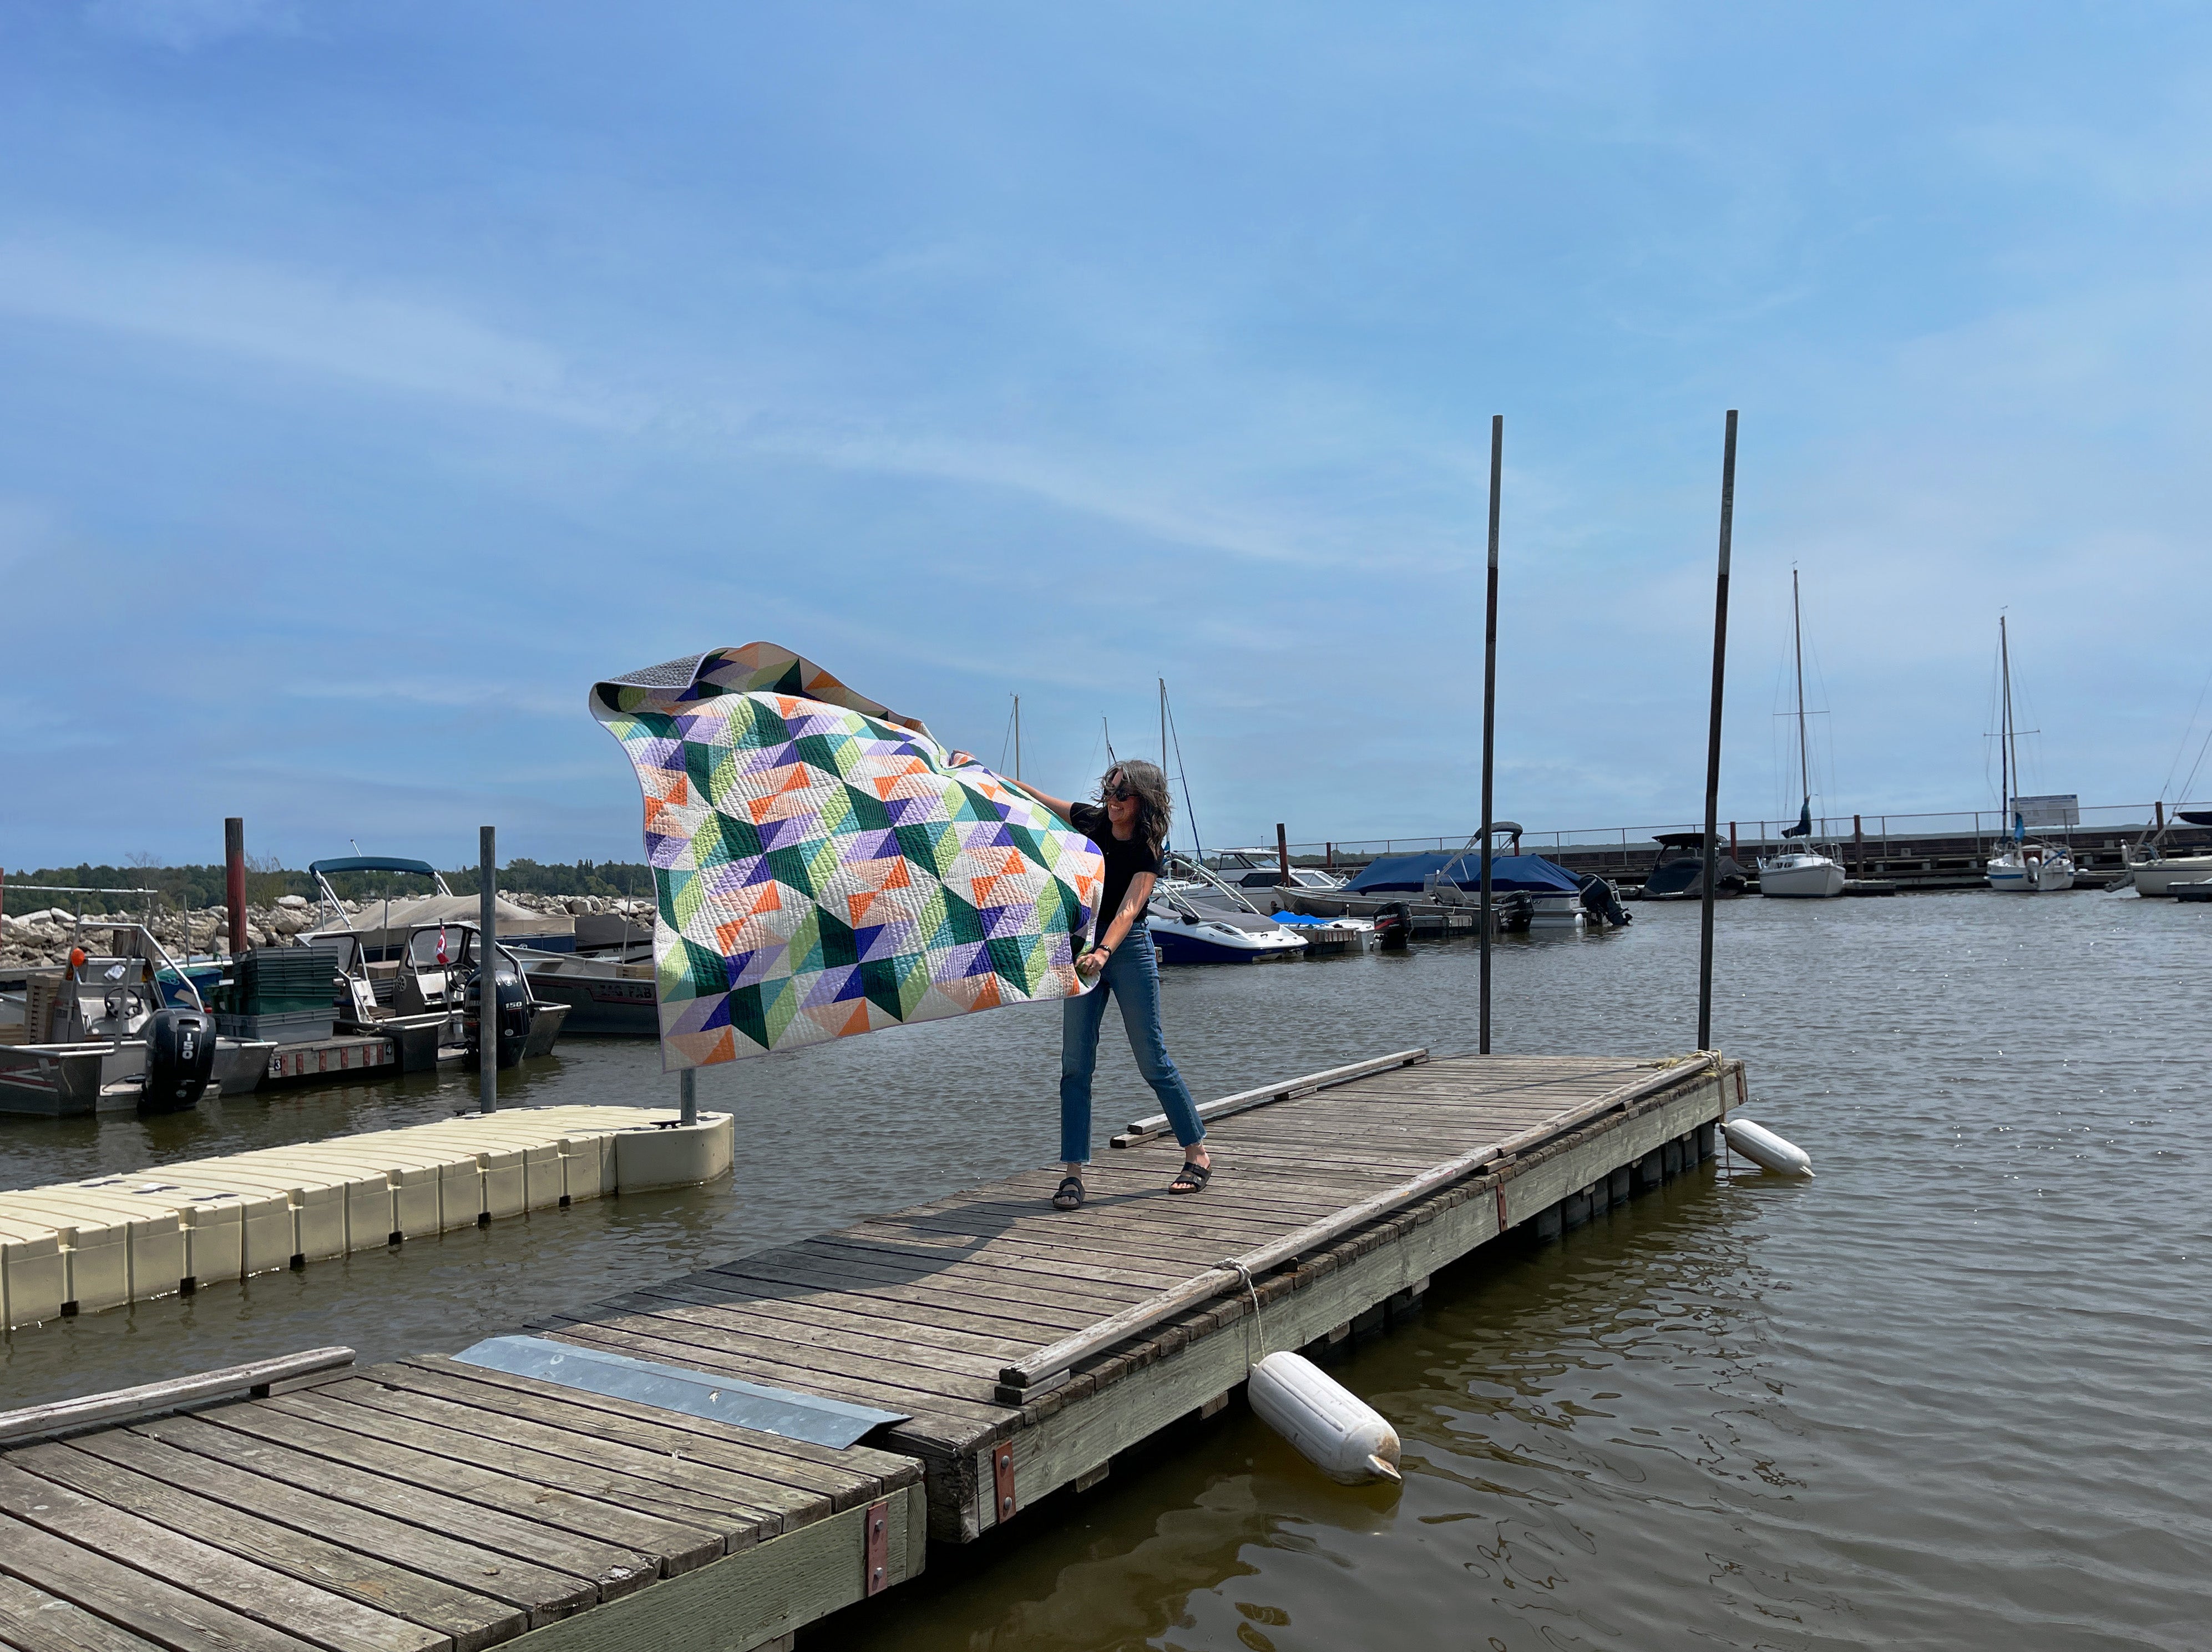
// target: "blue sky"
[[381, 375]]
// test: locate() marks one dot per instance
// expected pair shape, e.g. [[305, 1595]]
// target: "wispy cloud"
[[292, 320], [182, 24]]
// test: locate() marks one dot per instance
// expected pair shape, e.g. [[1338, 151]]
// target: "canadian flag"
[[442, 945]]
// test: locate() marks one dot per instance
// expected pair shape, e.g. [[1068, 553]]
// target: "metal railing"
[[2121, 823]]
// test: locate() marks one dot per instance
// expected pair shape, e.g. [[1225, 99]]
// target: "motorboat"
[[613, 997], [425, 1000], [2025, 865], [127, 1030], [1195, 917], [389, 923], [1805, 874], [1679, 873], [1259, 874]]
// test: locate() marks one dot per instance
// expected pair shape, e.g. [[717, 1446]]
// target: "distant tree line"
[[265, 880]]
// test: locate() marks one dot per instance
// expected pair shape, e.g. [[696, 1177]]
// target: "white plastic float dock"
[[80, 1247]]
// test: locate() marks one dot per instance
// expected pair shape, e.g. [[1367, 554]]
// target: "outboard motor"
[[511, 1017], [1394, 926], [180, 1059], [1515, 910], [1601, 900]]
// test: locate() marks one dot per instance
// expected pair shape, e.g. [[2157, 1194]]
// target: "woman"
[[1131, 830]]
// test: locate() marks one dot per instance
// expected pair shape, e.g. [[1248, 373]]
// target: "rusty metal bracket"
[[1002, 1476], [1502, 1223], [879, 1546]]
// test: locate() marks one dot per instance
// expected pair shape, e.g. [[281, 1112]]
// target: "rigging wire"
[[2166, 786], [1197, 844], [1005, 740]]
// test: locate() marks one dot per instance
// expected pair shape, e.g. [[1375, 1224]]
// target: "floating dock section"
[[650, 1471], [80, 1247]]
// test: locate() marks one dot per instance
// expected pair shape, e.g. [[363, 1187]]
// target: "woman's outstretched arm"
[[1060, 806]]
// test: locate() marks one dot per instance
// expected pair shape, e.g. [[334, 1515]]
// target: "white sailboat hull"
[[2012, 873], [1801, 876], [2158, 877]]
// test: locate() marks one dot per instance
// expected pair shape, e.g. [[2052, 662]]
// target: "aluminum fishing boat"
[[121, 1032]]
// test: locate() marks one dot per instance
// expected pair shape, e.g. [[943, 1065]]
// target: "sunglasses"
[[1116, 791]]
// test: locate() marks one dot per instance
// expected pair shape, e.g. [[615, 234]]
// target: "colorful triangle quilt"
[[823, 867]]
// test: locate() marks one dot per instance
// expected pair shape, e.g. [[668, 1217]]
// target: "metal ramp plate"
[[673, 1387]]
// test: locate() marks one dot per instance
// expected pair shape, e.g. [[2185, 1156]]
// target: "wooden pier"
[[437, 1503]]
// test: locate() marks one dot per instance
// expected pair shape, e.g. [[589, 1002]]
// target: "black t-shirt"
[[1124, 860]]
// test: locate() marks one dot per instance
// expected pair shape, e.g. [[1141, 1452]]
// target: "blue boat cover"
[[1406, 873]]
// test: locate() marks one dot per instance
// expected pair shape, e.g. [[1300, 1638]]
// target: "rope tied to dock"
[[1244, 1272]]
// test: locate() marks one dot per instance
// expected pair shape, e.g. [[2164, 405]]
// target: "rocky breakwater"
[[43, 938]]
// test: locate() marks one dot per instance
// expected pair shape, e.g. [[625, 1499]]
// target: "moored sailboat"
[[1806, 873], [2024, 865]]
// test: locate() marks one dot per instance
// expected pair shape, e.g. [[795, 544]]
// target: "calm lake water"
[[1952, 1392]]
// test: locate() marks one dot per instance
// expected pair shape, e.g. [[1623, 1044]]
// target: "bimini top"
[[370, 863], [1410, 872]]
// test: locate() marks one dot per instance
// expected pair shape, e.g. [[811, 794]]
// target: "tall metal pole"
[[2008, 760], [1489, 716], [1713, 744], [1018, 737], [1797, 631], [487, 972]]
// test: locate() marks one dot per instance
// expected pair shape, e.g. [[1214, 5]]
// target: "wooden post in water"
[[234, 879], [487, 972], [1489, 718], [1713, 743], [1858, 848], [1283, 851]]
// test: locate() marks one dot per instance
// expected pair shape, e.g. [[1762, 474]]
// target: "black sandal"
[[1070, 1196], [1191, 1179]]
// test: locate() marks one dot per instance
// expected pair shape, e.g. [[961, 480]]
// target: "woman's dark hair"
[[1154, 807]]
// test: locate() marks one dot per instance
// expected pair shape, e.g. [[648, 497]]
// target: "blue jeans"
[[1132, 977]]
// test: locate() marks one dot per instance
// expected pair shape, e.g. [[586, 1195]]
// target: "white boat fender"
[[1764, 1148], [1341, 1433]]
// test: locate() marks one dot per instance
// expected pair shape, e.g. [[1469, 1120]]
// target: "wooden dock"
[[436, 1503]]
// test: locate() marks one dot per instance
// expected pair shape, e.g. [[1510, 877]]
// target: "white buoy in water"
[[1763, 1147], [1345, 1437]]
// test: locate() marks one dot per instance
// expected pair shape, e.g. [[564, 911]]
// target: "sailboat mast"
[[1018, 737], [1798, 630], [2008, 752], [1164, 725]]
